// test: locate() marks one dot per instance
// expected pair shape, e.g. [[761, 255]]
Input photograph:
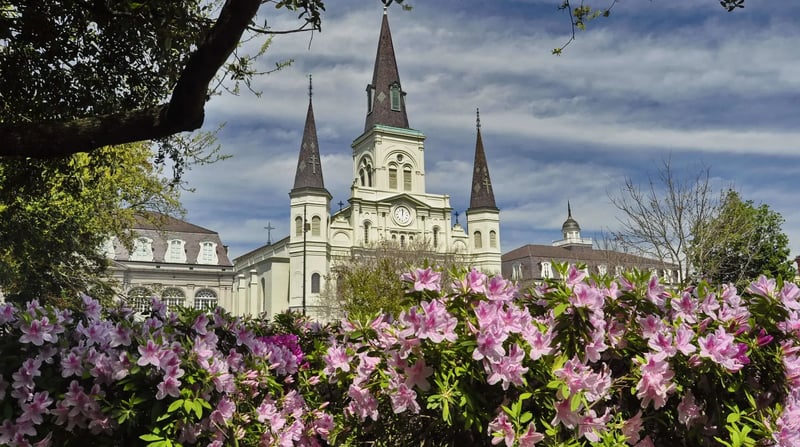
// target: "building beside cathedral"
[[388, 204], [176, 261], [531, 264]]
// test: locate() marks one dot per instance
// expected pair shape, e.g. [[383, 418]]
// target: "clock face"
[[402, 215]]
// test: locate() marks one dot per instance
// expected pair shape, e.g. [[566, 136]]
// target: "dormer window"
[[394, 96], [370, 98], [208, 253], [175, 251], [142, 250]]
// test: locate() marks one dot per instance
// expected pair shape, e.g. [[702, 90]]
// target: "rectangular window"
[[394, 96], [392, 178], [406, 180]]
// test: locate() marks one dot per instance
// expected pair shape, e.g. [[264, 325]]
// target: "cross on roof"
[[269, 229], [340, 205], [456, 213]]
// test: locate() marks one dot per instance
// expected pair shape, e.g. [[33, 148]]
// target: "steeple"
[[482, 194], [309, 165], [570, 225], [386, 100]]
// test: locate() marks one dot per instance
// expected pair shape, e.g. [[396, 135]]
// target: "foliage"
[[90, 74], [56, 214], [369, 282], [740, 243], [577, 362]]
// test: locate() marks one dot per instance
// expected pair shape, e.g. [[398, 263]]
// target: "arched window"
[[173, 297], [516, 273], [547, 270], [478, 242], [407, 178], [315, 278], [370, 98], [493, 239], [139, 299], [392, 177], [366, 232], [435, 237], [315, 225], [298, 226], [365, 172], [602, 269], [208, 253], [205, 299], [142, 250], [402, 240]]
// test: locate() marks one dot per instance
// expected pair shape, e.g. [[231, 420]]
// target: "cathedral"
[[388, 204]]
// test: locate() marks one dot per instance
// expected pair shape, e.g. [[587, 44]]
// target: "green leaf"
[[149, 437], [175, 405]]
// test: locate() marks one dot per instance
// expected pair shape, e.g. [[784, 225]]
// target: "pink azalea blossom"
[[530, 437], [688, 410], [656, 382], [632, 427], [762, 286], [417, 375], [424, 279], [500, 429]]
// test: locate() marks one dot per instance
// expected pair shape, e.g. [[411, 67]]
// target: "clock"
[[402, 215]]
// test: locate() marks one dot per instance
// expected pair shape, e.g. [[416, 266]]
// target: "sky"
[[677, 80]]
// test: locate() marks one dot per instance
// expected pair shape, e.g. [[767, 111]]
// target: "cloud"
[[681, 79]]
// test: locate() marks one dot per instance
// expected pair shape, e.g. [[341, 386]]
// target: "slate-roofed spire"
[[309, 165], [482, 194], [386, 100]]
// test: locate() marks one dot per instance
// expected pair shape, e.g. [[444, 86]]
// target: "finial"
[[569, 210], [310, 87], [478, 118], [385, 9]]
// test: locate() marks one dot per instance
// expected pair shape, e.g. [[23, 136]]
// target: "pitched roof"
[[384, 76], [586, 255], [309, 164], [482, 195], [151, 220]]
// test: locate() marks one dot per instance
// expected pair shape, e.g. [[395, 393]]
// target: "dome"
[[570, 225]]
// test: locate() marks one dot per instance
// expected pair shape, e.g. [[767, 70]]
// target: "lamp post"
[[306, 227]]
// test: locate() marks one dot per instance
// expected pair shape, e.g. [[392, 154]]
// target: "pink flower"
[[37, 332], [655, 292], [574, 276], [584, 295], [509, 369], [424, 279], [150, 354], [362, 403], [499, 289], [417, 375], [632, 427], [790, 296], [656, 382], [336, 358], [404, 398], [762, 286], [169, 386], [530, 437], [688, 410], [685, 308], [34, 410], [474, 282], [720, 347], [223, 412], [501, 430]]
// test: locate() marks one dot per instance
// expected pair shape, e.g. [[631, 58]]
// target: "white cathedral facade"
[[388, 204]]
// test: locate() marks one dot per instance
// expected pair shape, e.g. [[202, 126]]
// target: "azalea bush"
[[579, 361]]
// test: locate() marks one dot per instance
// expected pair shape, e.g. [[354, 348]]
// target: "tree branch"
[[184, 112]]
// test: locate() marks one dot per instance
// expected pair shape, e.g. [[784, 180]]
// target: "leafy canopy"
[[55, 216], [741, 242]]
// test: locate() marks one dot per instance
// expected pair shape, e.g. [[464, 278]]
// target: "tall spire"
[[569, 210], [309, 164], [482, 194], [386, 100]]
